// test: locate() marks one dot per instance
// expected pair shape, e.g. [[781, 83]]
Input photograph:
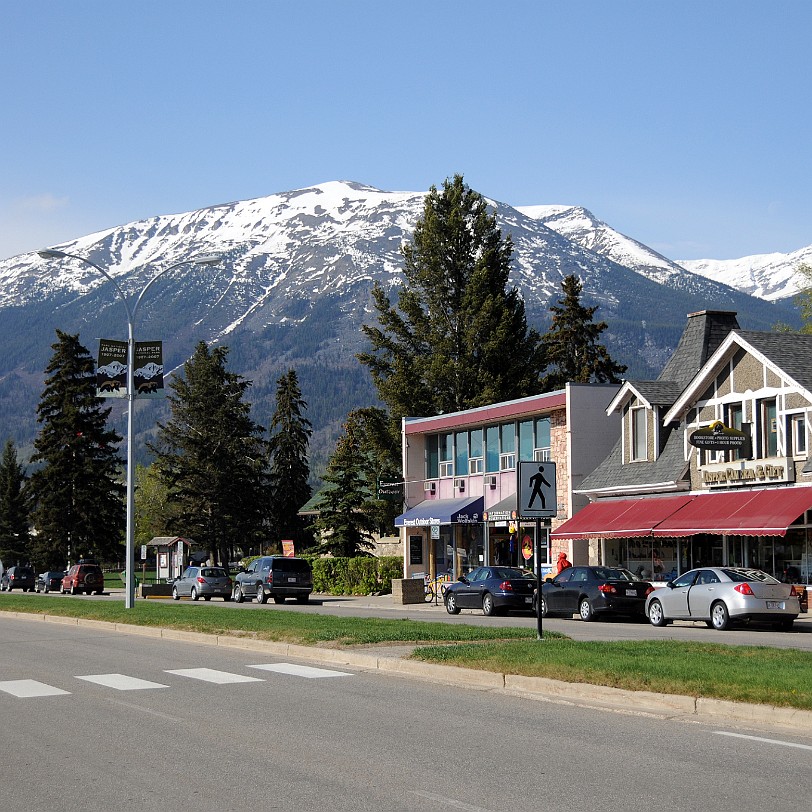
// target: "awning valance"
[[503, 511], [442, 511]]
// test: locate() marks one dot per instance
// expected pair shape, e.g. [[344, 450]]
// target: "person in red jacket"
[[562, 563]]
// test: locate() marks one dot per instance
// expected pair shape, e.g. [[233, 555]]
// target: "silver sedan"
[[723, 595]]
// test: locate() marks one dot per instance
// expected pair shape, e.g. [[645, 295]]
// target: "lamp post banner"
[[148, 374], [111, 369]]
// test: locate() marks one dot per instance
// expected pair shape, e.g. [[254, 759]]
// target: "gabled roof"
[[652, 393]]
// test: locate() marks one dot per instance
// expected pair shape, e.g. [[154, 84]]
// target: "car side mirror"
[[463, 579], [670, 584]]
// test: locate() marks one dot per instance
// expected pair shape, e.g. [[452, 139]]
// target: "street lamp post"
[[132, 311]]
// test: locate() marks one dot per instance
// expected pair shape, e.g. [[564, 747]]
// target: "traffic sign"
[[536, 489]]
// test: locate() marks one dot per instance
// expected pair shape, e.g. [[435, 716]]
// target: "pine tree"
[[211, 456], [458, 337], [290, 435], [571, 344], [78, 493], [14, 535], [345, 522], [154, 507]]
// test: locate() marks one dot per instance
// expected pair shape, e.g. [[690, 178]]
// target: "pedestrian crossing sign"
[[536, 489]]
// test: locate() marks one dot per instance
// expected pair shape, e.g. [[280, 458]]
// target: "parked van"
[[275, 576]]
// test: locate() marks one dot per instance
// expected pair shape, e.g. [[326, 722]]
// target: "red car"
[[83, 577]]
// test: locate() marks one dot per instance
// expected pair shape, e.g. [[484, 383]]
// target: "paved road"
[[150, 724]]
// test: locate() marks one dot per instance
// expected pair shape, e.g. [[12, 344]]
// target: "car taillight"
[[607, 588], [743, 589], [506, 586], [649, 590], [201, 579], [793, 592]]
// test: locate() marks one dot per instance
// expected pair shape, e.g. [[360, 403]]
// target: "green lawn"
[[771, 676]]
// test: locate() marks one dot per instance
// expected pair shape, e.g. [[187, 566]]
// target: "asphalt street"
[[98, 720]]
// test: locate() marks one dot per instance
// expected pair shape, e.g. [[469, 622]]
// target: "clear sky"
[[685, 125]]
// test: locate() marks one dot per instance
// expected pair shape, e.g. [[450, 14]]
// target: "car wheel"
[[488, 607], [785, 624], [545, 612], [207, 597], [175, 596], [278, 598], [720, 616], [260, 597], [237, 595], [451, 604], [45, 589], [193, 594], [585, 610], [74, 590], [302, 598], [656, 616]]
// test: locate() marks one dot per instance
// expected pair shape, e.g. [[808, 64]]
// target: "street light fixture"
[[132, 311]]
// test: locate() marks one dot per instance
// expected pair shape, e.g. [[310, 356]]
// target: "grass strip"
[[282, 626], [755, 674]]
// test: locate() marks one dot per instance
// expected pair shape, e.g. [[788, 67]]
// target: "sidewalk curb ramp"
[[540, 688]]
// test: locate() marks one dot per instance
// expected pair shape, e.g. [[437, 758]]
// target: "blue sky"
[[685, 125]]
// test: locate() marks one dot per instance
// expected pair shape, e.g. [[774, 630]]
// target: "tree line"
[[456, 338]]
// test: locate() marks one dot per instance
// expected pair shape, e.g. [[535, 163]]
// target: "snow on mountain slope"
[[767, 276]]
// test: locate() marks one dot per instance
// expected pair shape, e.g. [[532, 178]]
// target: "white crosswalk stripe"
[[211, 675], [301, 670], [25, 688], [121, 682]]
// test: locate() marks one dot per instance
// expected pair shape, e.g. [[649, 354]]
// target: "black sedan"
[[49, 581], [492, 589], [591, 591]]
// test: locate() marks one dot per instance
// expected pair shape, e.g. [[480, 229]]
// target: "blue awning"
[[442, 511]]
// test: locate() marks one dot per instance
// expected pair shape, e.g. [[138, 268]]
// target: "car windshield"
[[213, 572], [614, 574], [742, 575]]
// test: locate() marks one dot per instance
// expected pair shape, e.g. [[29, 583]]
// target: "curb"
[[539, 688]]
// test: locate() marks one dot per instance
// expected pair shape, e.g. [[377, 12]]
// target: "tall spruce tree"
[[346, 513], [211, 456], [290, 433], [14, 535], [77, 493], [458, 337], [571, 344]]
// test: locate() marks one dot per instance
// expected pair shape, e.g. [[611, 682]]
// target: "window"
[[461, 453], [492, 448], [476, 463], [432, 456], [639, 447], [769, 429], [507, 462], [527, 440], [796, 434], [734, 419], [446, 452], [542, 439]]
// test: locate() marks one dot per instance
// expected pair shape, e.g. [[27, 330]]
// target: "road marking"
[[761, 739], [301, 670], [442, 801], [25, 688], [210, 675], [121, 682]]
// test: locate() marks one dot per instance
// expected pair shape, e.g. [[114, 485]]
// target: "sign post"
[[537, 500]]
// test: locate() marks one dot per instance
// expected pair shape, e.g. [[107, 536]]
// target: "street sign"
[[536, 489], [391, 491]]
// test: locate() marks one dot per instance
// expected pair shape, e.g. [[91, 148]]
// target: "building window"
[[541, 452], [639, 444], [492, 448], [734, 419], [432, 456], [527, 440], [476, 463], [796, 434], [446, 452], [461, 453], [769, 429]]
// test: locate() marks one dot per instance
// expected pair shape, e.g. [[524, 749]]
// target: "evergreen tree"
[[345, 522], [571, 343], [290, 435], [458, 337], [14, 535], [154, 506], [211, 456], [78, 493]]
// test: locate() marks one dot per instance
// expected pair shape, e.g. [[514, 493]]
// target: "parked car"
[[492, 589], [18, 578], [593, 591], [83, 577], [723, 595], [50, 580], [202, 582], [275, 576]]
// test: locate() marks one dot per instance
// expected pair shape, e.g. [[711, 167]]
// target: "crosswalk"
[[32, 688]]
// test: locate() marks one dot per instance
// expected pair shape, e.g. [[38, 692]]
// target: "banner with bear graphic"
[[111, 370]]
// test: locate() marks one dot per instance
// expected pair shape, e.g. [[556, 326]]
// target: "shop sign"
[[748, 472], [718, 437]]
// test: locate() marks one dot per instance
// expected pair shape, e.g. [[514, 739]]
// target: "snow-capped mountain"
[[768, 276], [294, 290]]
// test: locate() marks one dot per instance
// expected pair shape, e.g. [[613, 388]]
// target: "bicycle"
[[433, 586]]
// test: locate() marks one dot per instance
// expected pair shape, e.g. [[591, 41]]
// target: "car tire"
[[785, 624], [74, 590], [720, 617], [175, 596], [451, 604], [488, 606], [207, 597], [193, 594], [45, 589], [260, 597], [545, 612], [278, 598], [302, 598], [585, 610], [656, 616], [237, 595]]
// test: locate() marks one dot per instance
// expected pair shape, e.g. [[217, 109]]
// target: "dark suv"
[[84, 577], [275, 576], [18, 578]]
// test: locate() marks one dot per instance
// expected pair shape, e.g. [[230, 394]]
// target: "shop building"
[[712, 464], [460, 478]]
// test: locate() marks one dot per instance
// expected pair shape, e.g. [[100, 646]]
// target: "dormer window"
[[639, 438]]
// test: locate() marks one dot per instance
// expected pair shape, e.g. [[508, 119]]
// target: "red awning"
[[621, 518], [767, 512]]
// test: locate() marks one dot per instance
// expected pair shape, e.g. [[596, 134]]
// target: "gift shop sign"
[[748, 472]]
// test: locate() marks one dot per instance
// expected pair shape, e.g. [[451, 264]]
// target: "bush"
[[355, 576]]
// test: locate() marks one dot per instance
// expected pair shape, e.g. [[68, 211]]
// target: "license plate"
[[632, 593], [291, 580], [775, 604], [528, 600]]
